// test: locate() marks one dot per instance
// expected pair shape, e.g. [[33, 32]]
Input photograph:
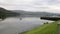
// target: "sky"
[[32, 5]]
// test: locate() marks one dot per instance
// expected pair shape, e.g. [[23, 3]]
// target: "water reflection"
[[14, 25]]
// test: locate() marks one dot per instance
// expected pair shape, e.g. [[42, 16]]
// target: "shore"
[[50, 28]]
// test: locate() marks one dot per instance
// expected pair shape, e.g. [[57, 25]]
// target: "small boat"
[[20, 18]]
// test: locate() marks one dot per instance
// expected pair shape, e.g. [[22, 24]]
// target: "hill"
[[6, 13]]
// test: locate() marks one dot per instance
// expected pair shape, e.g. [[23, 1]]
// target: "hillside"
[[6, 13], [50, 28]]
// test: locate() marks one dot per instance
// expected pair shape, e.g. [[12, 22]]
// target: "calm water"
[[14, 25]]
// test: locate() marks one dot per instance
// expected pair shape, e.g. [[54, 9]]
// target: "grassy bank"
[[50, 28]]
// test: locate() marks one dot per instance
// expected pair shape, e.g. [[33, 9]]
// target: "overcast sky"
[[32, 5]]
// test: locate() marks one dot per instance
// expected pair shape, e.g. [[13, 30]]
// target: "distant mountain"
[[38, 14]]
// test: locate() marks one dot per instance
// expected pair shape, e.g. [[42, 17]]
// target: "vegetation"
[[6, 13], [50, 28]]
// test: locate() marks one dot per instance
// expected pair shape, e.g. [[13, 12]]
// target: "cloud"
[[31, 5]]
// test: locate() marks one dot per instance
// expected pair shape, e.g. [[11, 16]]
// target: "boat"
[[20, 18]]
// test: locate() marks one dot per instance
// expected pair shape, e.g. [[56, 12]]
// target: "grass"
[[50, 28]]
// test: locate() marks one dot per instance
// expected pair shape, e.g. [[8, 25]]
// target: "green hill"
[[6, 13], [50, 28]]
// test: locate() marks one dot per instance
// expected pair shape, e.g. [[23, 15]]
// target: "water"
[[14, 25]]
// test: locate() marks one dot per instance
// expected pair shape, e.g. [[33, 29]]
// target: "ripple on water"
[[15, 25]]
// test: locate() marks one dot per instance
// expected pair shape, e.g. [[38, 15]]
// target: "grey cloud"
[[54, 2], [35, 2], [47, 2], [34, 5]]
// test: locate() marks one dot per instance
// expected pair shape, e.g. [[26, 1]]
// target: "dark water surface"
[[14, 25]]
